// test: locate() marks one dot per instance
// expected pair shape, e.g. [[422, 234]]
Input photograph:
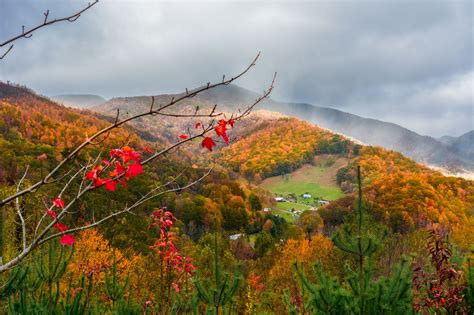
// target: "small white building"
[[306, 196], [235, 237], [323, 202], [280, 199], [266, 209]]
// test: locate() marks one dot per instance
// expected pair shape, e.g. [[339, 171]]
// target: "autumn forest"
[[208, 202]]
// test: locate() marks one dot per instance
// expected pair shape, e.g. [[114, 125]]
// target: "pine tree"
[[218, 294], [327, 296], [115, 291], [362, 293]]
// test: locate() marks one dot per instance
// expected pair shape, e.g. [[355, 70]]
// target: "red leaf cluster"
[[165, 245], [208, 143], [66, 239], [442, 290], [221, 131], [124, 162]]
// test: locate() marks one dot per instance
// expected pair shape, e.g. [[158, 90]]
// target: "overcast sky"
[[407, 62]]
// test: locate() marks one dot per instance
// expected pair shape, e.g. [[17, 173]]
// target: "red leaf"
[[116, 153], [51, 213], [61, 227], [98, 182], [110, 185], [91, 174], [124, 184], [67, 239], [221, 131], [119, 168], [134, 170], [147, 150], [175, 287], [58, 202], [208, 143], [184, 137], [197, 125], [231, 122]]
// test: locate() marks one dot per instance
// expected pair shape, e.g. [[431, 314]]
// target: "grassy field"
[[318, 180], [290, 205], [285, 187], [285, 215]]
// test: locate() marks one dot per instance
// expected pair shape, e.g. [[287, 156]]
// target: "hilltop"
[[79, 100], [424, 149]]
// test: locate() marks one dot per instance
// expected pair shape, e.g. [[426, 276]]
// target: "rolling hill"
[[462, 145], [402, 192], [423, 149]]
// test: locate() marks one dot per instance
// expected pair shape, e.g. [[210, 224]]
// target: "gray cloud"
[[408, 62]]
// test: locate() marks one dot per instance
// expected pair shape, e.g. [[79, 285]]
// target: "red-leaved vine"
[[174, 268], [439, 291]]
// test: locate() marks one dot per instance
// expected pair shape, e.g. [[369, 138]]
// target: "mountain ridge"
[[424, 149], [83, 101]]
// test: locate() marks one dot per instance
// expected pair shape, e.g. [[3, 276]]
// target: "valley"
[[317, 181], [269, 156], [236, 157]]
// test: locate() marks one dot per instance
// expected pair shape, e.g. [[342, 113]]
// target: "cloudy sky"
[[407, 62]]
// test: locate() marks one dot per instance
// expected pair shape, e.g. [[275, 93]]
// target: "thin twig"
[[46, 179], [29, 33]]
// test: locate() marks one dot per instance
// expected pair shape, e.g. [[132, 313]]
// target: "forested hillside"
[[224, 244], [404, 194], [281, 146]]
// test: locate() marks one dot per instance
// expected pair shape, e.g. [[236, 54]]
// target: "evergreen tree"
[[217, 294], [362, 293]]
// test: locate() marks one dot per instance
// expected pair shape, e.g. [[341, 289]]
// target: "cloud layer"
[[408, 62]]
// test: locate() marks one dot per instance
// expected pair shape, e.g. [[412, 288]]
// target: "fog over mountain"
[[79, 100], [407, 62], [455, 157]]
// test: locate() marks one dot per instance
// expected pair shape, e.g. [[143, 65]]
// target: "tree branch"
[[46, 179], [29, 33]]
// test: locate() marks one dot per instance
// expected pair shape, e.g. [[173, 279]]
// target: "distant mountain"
[[449, 140], [464, 145], [79, 100], [424, 149]]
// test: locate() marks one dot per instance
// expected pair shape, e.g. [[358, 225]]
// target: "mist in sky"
[[407, 62]]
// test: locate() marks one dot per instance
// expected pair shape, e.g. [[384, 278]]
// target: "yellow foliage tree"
[[305, 251], [93, 258]]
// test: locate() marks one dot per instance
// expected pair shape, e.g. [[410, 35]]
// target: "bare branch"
[[126, 209], [6, 52], [29, 33], [18, 210], [88, 141]]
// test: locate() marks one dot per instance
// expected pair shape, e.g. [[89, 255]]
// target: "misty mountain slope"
[[449, 140], [167, 129], [79, 100], [423, 149], [464, 145]]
